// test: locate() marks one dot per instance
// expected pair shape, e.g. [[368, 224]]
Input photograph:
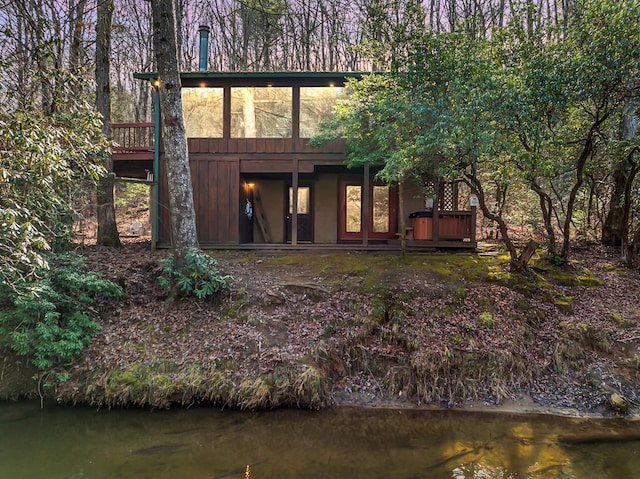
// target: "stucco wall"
[[324, 204], [272, 197], [326, 209], [413, 198]]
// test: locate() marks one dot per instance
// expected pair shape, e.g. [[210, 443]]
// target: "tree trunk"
[[635, 244], [107, 227], [181, 209], [612, 228], [403, 221], [628, 245], [614, 223], [76, 49], [514, 262], [586, 152], [546, 208]]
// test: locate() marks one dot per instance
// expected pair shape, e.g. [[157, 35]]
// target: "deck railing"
[[455, 225], [132, 137]]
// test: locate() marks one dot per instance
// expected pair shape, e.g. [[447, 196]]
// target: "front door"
[[305, 215]]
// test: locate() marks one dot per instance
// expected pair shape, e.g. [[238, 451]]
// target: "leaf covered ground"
[[313, 329]]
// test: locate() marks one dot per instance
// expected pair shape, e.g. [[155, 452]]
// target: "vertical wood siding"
[[216, 192], [261, 145]]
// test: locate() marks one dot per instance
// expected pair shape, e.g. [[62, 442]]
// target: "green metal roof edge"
[[255, 75]]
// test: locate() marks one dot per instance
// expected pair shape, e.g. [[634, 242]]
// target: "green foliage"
[[133, 194], [199, 277], [487, 319], [45, 159], [524, 108], [556, 260], [48, 319]]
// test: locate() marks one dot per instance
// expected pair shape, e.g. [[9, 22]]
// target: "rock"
[[618, 403], [272, 298]]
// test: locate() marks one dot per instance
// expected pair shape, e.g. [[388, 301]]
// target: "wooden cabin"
[[257, 183]]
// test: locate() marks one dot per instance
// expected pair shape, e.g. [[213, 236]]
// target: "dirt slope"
[[323, 328]]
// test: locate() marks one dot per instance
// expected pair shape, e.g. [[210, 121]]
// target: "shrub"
[[199, 277], [48, 318], [487, 319]]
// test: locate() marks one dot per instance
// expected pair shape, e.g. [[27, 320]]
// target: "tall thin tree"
[[107, 227], [181, 209]]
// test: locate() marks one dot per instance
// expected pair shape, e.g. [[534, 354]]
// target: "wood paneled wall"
[[216, 192], [261, 145]]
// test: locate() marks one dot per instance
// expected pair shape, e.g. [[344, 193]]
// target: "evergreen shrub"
[[49, 318], [199, 277]]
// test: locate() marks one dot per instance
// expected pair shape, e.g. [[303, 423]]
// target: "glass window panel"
[[354, 209], [202, 109], [303, 200], [380, 209], [317, 104], [261, 112]]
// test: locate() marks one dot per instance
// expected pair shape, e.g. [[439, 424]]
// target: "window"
[[202, 109], [380, 205], [353, 208], [317, 104], [261, 112], [303, 200]]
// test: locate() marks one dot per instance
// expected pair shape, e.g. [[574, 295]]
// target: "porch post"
[[436, 210], [155, 186], [295, 119], [294, 203], [365, 207], [226, 112], [473, 224]]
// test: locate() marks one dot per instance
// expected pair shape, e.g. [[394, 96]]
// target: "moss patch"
[[564, 303], [572, 276]]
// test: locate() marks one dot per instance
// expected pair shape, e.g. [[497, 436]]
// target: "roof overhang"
[[222, 79]]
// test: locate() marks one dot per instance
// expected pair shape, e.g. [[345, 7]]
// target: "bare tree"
[[106, 213], [76, 27]]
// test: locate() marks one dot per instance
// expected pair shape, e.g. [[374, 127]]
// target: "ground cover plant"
[[50, 318]]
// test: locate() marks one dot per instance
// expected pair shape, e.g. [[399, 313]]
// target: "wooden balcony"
[[135, 141], [132, 141], [133, 149]]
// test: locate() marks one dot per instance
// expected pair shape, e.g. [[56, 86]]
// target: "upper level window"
[[317, 104], [202, 109], [261, 112]]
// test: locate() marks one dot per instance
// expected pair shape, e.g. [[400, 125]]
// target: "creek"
[[207, 443]]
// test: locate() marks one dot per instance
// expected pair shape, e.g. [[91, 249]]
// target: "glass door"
[[382, 212], [305, 216]]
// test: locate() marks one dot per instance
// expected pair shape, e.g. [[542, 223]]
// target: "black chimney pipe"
[[204, 48]]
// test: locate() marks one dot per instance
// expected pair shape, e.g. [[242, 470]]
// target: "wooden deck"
[[133, 141], [412, 245], [133, 149]]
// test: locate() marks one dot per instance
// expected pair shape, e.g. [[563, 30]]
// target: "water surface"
[[204, 443]]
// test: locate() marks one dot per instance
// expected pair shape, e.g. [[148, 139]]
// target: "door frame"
[[287, 218], [343, 235]]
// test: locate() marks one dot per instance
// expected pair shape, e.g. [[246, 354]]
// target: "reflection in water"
[[341, 443]]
